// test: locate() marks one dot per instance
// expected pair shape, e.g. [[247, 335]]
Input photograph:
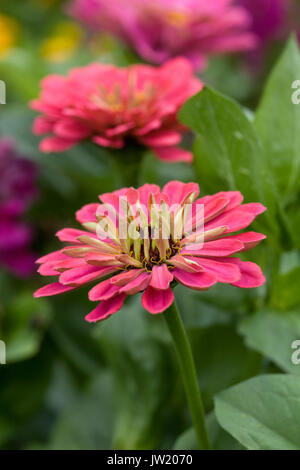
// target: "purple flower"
[[161, 29], [268, 17], [17, 191]]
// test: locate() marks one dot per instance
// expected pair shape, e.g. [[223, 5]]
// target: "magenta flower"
[[268, 17], [161, 29], [110, 105], [17, 191], [147, 240]]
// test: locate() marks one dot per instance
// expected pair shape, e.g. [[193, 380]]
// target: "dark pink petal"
[[201, 213], [176, 191], [54, 256], [87, 213], [234, 220], [161, 277], [224, 272], [82, 275], [173, 154], [137, 285], [132, 196], [234, 198], [121, 129], [56, 144], [249, 239], [221, 247], [70, 235], [112, 142], [145, 191], [254, 208], [111, 202], [106, 308], [161, 139], [196, 281], [71, 129], [150, 126], [42, 125], [52, 289], [186, 264], [251, 274], [103, 291], [214, 207], [156, 301], [47, 269]]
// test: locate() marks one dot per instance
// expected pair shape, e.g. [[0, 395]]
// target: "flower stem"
[[188, 371]]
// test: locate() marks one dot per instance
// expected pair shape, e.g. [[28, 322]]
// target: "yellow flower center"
[[178, 18]]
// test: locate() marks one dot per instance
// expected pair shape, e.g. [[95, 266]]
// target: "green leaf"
[[262, 413], [277, 122], [221, 359], [228, 152], [219, 439], [272, 334]]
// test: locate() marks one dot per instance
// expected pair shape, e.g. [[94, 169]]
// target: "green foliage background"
[[70, 385]]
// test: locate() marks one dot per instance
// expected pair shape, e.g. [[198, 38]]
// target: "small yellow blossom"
[[63, 43], [9, 30]]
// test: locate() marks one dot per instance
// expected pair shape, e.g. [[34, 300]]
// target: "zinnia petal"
[[106, 308], [173, 154], [156, 300], [196, 281], [161, 277], [251, 274], [224, 272], [52, 289]]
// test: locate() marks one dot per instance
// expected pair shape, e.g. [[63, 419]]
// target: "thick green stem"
[[188, 371]]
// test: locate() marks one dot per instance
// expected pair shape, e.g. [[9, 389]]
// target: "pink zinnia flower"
[[196, 250], [111, 105], [161, 29]]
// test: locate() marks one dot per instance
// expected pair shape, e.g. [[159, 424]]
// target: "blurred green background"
[[71, 385]]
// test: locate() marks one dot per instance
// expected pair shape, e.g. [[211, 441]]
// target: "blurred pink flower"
[[110, 105], [161, 29], [164, 243], [268, 17], [272, 21], [17, 191]]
